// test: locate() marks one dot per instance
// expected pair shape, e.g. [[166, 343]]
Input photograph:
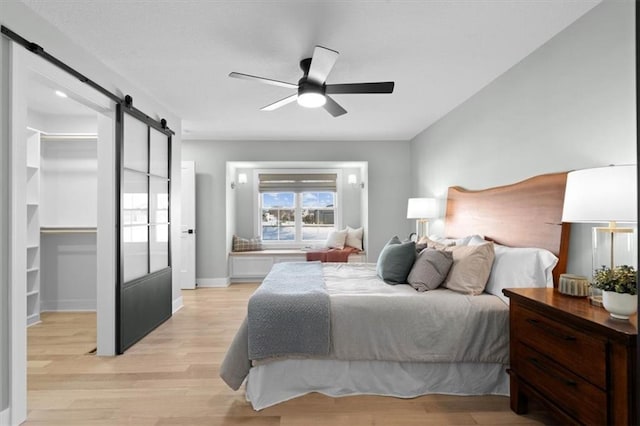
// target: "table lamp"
[[421, 209], [605, 195]]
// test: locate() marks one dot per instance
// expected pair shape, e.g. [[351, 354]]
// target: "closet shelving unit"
[[33, 227]]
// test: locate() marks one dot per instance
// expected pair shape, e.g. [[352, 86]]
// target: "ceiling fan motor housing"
[[310, 93]]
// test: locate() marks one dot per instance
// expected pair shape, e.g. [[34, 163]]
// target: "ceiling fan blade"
[[263, 80], [380, 87], [334, 108], [280, 103], [322, 62]]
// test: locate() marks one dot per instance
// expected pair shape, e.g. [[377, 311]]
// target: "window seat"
[[254, 265]]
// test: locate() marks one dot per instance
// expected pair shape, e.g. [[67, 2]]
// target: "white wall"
[[69, 183], [68, 198], [388, 187], [568, 105], [55, 123]]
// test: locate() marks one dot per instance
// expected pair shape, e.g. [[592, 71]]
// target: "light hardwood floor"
[[171, 378]]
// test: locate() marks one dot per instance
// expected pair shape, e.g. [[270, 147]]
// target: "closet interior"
[[61, 197]]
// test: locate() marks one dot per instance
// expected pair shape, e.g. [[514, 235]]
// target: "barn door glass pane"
[[159, 154], [136, 145]]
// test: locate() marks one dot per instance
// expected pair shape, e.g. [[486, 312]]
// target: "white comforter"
[[372, 320], [375, 321]]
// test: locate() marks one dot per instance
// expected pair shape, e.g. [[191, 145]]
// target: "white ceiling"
[[439, 53]]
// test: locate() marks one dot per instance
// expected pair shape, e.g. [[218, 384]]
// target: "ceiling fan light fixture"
[[311, 99]]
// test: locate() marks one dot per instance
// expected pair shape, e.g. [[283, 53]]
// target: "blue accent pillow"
[[395, 261]]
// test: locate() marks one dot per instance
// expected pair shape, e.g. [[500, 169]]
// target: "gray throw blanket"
[[290, 313]]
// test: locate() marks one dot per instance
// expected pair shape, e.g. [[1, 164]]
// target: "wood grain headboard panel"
[[524, 214]]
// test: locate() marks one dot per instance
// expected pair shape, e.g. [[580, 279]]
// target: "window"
[[318, 215], [297, 208], [278, 216]]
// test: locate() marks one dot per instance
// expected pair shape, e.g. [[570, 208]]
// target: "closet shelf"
[[68, 230]]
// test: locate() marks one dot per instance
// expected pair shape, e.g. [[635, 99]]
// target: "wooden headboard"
[[524, 214]]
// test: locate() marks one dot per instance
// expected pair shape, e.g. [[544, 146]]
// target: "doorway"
[[86, 233]]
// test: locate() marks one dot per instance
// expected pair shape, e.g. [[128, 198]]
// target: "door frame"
[[188, 279], [22, 64]]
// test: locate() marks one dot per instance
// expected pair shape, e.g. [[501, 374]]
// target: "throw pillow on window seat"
[[354, 237], [246, 244], [336, 239]]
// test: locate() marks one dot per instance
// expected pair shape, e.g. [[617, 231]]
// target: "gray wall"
[[388, 186], [4, 230], [568, 105]]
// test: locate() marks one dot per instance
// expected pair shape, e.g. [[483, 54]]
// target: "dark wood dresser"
[[572, 357]]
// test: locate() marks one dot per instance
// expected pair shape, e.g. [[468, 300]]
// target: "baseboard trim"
[[79, 305], [246, 280], [177, 305], [213, 282], [5, 416]]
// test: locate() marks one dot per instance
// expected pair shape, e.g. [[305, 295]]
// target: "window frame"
[[298, 242]]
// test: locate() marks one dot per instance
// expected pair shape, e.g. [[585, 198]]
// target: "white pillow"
[[354, 237], [476, 240], [520, 267], [336, 239], [456, 241]]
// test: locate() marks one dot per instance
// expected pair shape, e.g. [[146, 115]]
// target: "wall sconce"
[[242, 179], [353, 180]]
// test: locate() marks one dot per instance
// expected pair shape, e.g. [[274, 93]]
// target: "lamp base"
[[422, 228]]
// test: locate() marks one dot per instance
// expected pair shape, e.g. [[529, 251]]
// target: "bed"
[[364, 336]]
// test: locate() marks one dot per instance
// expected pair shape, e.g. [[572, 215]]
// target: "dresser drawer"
[[577, 397], [573, 349]]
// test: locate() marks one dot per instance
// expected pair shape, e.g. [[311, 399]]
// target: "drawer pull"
[[538, 365], [550, 330]]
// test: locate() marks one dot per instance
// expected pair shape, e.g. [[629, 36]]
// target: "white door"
[[188, 226]]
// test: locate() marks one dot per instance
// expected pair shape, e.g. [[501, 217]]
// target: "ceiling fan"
[[312, 88]]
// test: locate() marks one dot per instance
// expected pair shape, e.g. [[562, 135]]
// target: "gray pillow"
[[430, 269], [395, 261]]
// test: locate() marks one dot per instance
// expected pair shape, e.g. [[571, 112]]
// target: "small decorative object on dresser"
[[573, 285], [619, 290], [572, 357]]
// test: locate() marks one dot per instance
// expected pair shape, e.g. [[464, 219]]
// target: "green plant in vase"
[[619, 289]]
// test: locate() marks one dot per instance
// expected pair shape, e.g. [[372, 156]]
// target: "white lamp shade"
[[421, 208], [603, 194]]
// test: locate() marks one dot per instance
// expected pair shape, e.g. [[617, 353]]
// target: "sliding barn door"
[[144, 285]]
